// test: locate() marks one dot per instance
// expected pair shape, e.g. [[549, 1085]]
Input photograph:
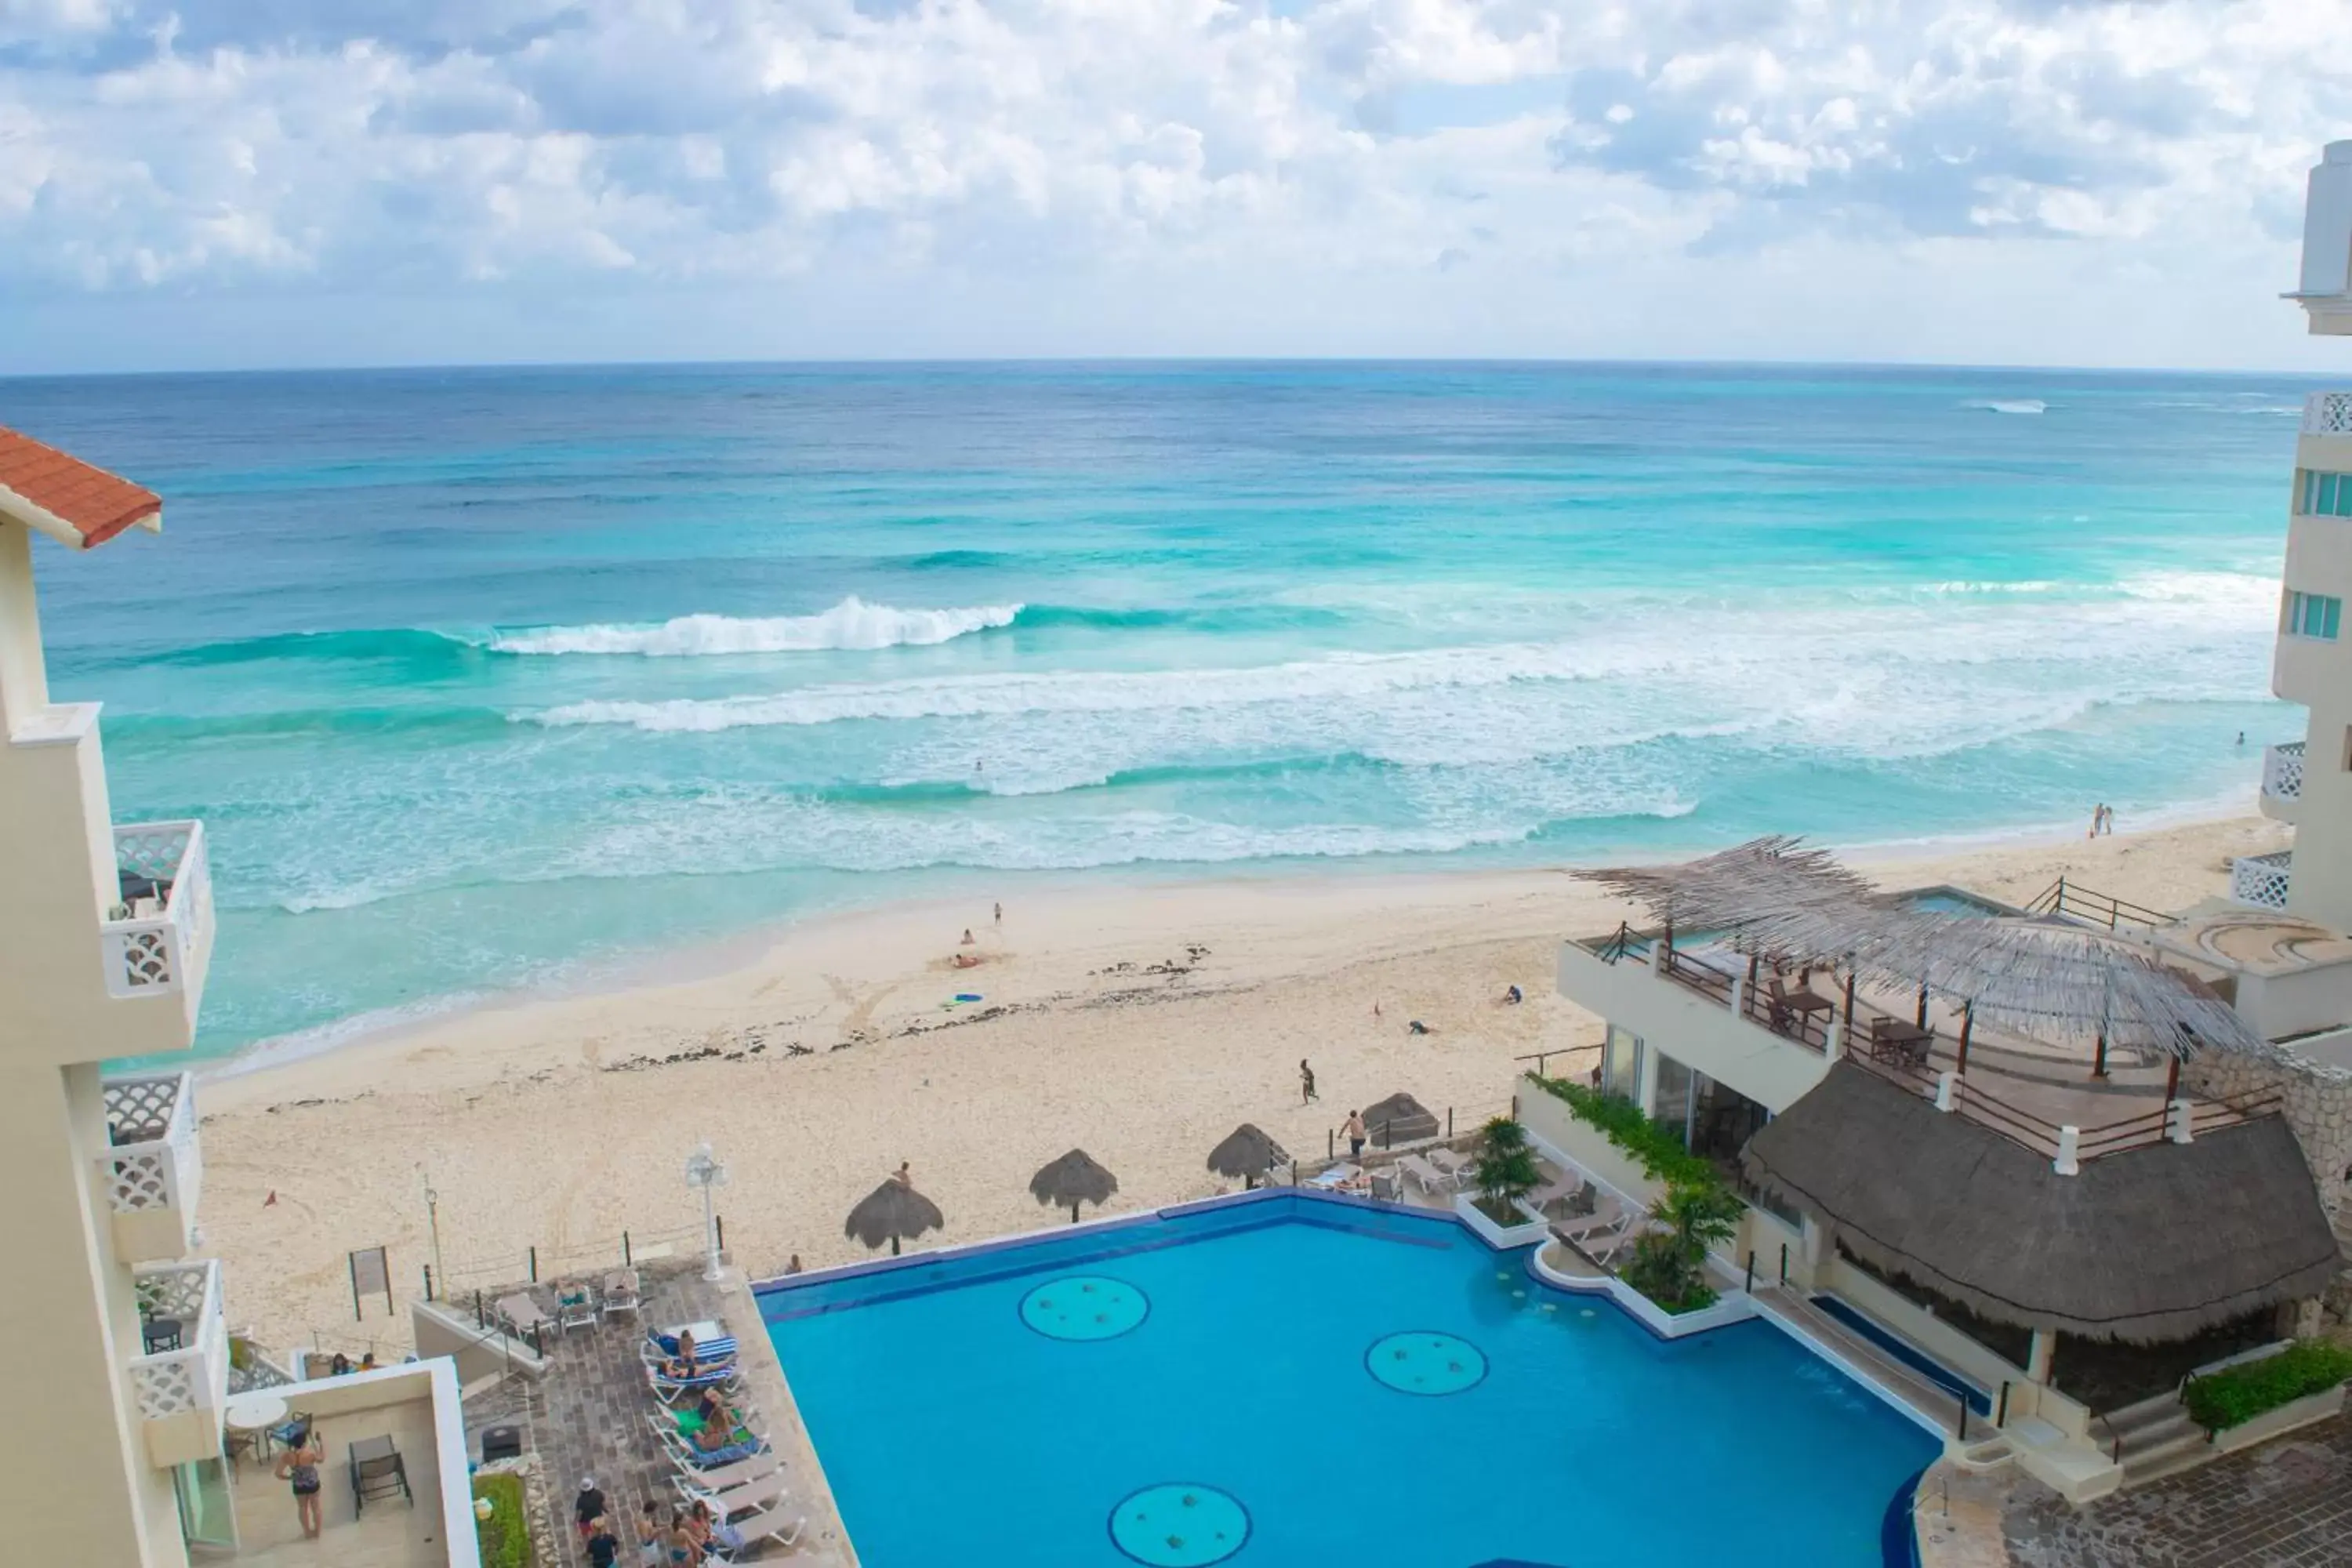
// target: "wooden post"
[[2172, 1081], [2099, 1062], [1849, 1001], [1968, 1024], [1922, 1019]]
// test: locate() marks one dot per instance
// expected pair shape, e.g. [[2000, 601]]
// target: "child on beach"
[[1307, 1083]]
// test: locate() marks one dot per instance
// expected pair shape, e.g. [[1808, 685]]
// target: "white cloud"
[[1240, 168]]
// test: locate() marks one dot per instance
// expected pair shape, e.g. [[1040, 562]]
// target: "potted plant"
[[1669, 1263], [1506, 1172]]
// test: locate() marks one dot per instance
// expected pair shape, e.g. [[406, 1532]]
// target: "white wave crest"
[[852, 625], [2008, 405]]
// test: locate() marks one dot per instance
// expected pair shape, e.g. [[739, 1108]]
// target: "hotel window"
[[2313, 616], [2327, 495]]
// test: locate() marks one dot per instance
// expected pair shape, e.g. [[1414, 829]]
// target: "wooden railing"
[[2093, 907], [2045, 1137]]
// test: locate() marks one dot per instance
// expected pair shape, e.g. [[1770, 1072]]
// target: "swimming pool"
[[1290, 1379]]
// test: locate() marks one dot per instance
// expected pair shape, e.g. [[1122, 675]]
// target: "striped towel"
[[710, 1352]]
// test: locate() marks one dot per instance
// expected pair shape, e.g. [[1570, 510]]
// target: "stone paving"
[[2286, 1504], [588, 1418]]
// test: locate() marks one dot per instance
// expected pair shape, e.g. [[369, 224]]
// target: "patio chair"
[[377, 1471], [575, 1307], [621, 1287], [1388, 1186], [1605, 1251], [1608, 1214], [711, 1459], [668, 1389], [1430, 1178]]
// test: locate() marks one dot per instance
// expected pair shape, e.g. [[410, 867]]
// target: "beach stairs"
[[2154, 1438]]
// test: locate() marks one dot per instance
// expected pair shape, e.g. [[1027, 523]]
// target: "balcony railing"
[[2282, 772], [153, 1165], [159, 935], [2261, 880], [2327, 414], [181, 1390]]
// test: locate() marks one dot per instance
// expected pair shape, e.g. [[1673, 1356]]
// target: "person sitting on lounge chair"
[[685, 1363], [709, 1531]]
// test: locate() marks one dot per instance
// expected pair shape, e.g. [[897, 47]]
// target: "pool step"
[[1934, 1404]]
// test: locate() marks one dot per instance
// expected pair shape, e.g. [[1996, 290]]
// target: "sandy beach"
[[1139, 1023]]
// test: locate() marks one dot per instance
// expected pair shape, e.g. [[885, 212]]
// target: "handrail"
[[2065, 898]]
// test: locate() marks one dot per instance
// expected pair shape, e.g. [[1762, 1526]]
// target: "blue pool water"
[[1299, 1380]]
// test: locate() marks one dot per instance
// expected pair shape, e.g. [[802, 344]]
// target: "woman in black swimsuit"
[[300, 1465]]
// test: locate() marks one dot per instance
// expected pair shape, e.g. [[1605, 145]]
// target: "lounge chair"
[[575, 1307], [710, 1351], [1567, 1184], [1430, 1178], [1604, 1249], [766, 1492], [1461, 1167], [772, 1524], [1608, 1216], [1339, 1177], [621, 1287], [703, 1460], [741, 1473], [667, 1388]]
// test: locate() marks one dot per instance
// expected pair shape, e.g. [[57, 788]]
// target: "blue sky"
[[246, 183]]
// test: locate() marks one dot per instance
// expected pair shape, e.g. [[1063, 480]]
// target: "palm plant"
[[1669, 1263], [1506, 1166]]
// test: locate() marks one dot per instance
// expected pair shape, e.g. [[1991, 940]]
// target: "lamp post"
[[704, 1170]]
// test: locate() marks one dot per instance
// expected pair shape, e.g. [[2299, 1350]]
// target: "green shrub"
[[505, 1536], [1656, 1146], [2237, 1394]]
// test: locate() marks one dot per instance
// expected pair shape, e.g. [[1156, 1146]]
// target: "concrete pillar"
[[1944, 1082], [2070, 1143], [2178, 1115], [2039, 1357]]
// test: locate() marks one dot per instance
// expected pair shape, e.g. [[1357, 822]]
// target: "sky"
[[229, 183]]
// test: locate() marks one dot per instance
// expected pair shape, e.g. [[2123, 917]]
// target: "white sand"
[[1139, 1023]]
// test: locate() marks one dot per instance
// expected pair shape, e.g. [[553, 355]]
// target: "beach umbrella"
[[1399, 1119], [893, 1212], [1246, 1152], [1074, 1179]]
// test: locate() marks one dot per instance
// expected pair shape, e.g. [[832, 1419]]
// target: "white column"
[[2038, 1358], [2070, 1143], [2178, 1115]]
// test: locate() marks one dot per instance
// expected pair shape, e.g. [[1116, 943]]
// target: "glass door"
[[207, 1512]]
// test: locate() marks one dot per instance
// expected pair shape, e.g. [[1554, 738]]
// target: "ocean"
[[496, 679]]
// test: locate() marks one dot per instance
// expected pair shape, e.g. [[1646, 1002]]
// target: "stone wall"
[[2318, 1105]]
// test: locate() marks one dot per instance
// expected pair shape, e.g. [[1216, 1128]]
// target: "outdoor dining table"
[[1892, 1036], [253, 1416]]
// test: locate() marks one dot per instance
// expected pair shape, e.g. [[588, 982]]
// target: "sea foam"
[[851, 625]]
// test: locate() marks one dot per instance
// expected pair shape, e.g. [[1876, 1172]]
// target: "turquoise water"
[[1326, 1384], [481, 678]]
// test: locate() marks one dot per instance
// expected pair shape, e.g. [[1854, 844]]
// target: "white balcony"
[[153, 1167], [2327, 414], [2282, 781], [2261, 880], [159, 936], [183, 1389]]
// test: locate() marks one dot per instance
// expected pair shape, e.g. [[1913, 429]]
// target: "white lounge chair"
[[772, 1524], [621, 1288], [768, 1491], [1461, 1167], [741, 1473], [1430, 1178], [1604, 1249]]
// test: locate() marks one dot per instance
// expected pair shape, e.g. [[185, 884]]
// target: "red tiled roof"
[[93, 503]]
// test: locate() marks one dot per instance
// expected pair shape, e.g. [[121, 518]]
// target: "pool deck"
[[587, 1417]]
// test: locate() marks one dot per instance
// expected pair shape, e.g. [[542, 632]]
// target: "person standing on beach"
[[1354, 1128], [1307, 1083], [1000, 917]]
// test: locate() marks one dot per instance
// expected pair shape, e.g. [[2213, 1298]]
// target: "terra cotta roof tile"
[[93, 503]]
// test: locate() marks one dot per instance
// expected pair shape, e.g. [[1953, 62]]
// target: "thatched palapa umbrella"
[[1399, 1119], [893, 1212], [1246, 1152], [1074, 1179]]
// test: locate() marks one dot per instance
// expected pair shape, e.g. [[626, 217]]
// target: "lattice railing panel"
[[2261, 879], [154, 850], [2327, 414], [2282, 772]]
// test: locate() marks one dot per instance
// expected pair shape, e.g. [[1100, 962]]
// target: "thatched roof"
[[1405, 1118], [1072, 1180], [2155, 1242], [1778, 899], [1246, 1152], [892, 1212]]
